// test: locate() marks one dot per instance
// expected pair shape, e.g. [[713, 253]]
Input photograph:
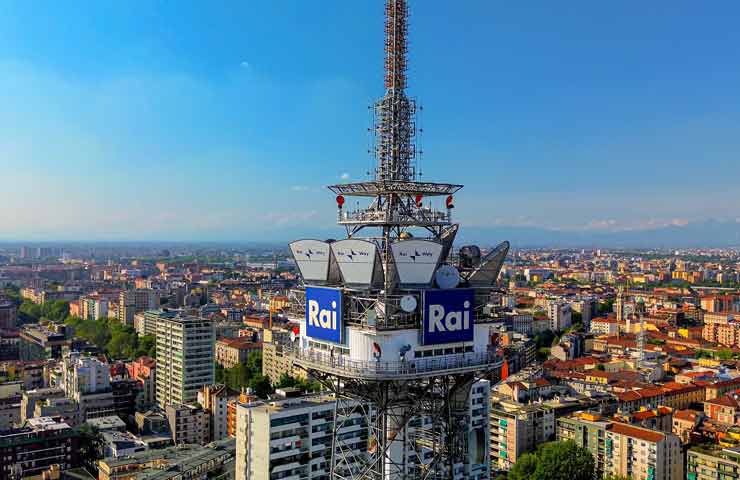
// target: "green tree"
[[286, 381], [543, 354], [544, 339], [564, 461], [147, 346], [221, 374], [606, 307], [260, 385], [555, 461], [524, 468], [55, 311], [724, 354], [90, 444], [13, 293], [254, 361], [29, 312]]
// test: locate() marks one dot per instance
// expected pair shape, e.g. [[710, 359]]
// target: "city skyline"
[[146, 122]]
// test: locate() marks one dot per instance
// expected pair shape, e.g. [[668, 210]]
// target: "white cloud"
[[283, 219], [244, 64], [344, 176]]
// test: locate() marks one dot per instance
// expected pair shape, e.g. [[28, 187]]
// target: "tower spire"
[[396, 44], [395, 126]]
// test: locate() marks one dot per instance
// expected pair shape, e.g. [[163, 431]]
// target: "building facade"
[[292, 438], [516, 429], [185, 358], [188, 424], [624, 450], [215, 400], [131, 302], [32, 450], [230, 352]]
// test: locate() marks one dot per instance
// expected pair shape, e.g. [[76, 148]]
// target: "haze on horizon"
[[194, 121]]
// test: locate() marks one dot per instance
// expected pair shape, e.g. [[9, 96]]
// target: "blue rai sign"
[[324, 314], [448, 316]]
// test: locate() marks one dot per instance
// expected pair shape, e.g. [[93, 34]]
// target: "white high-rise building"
[[559, 313], [185, 360], [293, 437], [83, 375]]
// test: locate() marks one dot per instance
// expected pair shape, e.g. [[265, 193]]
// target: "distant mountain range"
[[709, 233]]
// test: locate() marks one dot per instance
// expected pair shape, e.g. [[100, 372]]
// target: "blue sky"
[[224, 120]]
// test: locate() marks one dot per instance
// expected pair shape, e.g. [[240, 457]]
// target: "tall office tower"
[[131, 302], [185, 358], [391, 318]]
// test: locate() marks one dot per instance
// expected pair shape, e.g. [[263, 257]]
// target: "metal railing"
[[421, 216], [379, 369]]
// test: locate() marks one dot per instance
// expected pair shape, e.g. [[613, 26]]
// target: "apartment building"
[[214, 461], [230, 352], [82, 374], [521, 322], [144, 370], [8, 314], [185, 358], [624, 450], [517, 428], [188, 424], [604, 326], [215, 400], [131, 302], [559, 313], [275, 362], [145, 323], [712, 463], [33, 449], [722, 328], [293, 437]]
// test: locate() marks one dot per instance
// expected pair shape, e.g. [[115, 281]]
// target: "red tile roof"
[[637, 432], [242, 343], [687, 415]]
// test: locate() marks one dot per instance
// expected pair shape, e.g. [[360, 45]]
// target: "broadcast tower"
[[393, 321]]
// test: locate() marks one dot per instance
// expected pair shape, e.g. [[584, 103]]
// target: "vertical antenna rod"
[[395, 126]]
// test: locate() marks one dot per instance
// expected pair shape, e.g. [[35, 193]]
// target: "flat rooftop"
[[289, 404], [180, 459]]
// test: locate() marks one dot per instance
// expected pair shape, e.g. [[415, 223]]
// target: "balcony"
[[413, 369], [421, 217]]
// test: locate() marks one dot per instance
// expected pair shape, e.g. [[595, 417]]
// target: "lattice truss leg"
[[416, 429]]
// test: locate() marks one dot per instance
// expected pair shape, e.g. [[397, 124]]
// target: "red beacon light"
[[418, 200], [449, 202], [340, 201]]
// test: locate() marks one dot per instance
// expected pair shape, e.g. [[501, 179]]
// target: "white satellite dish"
[[447, 277], [408, 303]]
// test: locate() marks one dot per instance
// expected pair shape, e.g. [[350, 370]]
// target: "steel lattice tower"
[[391, 394]]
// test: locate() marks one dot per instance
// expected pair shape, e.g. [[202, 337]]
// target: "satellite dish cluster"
[[416, 264]]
